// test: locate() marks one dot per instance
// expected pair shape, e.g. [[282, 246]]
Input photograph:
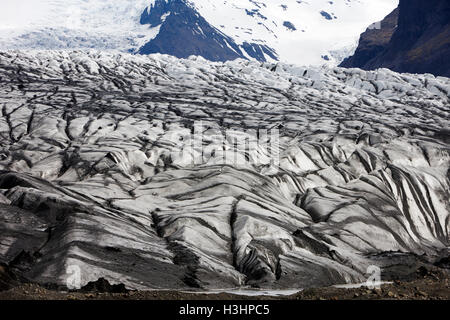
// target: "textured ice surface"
[[252, 293], [97, 171], [114, 25]]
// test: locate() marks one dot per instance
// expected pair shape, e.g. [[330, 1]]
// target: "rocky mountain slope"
[[373, 42], [115, 166], [419, 44]]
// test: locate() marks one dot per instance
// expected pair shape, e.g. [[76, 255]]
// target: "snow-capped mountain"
[[294, 31], [184, 32]]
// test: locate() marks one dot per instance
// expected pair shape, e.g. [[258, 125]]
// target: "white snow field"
[[323, 28], [100, 171]]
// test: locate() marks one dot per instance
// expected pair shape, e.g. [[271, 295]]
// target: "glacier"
[[253, 29], [97, 171]]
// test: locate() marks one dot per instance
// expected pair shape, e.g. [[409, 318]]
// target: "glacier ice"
[[97, 170]]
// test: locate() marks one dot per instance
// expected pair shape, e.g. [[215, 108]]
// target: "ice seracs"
[[101, 169]]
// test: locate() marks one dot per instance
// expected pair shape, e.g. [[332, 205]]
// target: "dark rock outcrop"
[[184, 32], [103, 286], [373, 41], [9, 278], [419, 44]]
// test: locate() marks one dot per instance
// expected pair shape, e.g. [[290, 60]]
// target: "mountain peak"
[[184, 32]]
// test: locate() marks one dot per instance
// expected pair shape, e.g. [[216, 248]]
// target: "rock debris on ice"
[[97, 171]]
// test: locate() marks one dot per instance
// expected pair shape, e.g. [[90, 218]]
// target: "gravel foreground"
[[429, 285]]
